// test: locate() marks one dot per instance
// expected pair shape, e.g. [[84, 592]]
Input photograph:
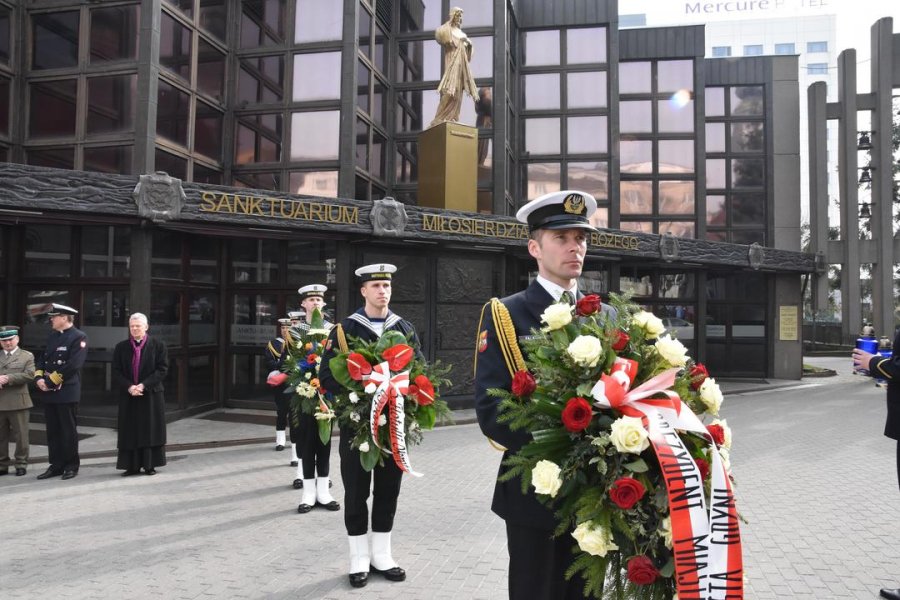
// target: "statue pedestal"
[[448, 167]]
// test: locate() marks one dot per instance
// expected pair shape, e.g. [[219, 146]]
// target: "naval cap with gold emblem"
[[567, 209], [314, 290], [60, 309], [8, 332], [377, 272]]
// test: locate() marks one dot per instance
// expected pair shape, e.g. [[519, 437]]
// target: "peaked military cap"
[[314, 290], [378, 272], [60, 309], [559, 210], [8, 332], [296, 315], [284, 322]]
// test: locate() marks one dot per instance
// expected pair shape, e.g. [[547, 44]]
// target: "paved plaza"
[[815, 479]]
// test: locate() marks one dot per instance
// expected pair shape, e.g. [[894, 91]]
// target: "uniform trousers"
[[898, 463], [357, 480], [282, 405], [315, 455], [538, 564], [62, 436], [14, 428]]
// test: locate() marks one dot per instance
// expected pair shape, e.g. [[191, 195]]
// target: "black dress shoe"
[[279, 448], [358, 580], [51, 472], [304, 508], [332, 506], [392, 574], [149, 471], [890, 594], [130, 472], [20, 471], [69, 474], [298, 484]]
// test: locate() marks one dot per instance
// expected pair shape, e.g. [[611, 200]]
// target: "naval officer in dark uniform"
[[368, 323], [559, 226], [57, 376], [274, 354]]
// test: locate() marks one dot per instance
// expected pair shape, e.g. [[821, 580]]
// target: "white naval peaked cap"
[[567, 209], [312, 291], [284, 322], [60, 309], [296, 315], [380, 272]]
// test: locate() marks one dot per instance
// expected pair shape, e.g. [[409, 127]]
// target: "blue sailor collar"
[[360, 317]]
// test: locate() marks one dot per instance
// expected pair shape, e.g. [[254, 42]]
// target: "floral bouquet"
[[393, 396], [621, 453], [302, 368]]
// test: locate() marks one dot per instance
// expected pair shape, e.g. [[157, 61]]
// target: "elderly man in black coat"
[[139, 369], [889, 370]]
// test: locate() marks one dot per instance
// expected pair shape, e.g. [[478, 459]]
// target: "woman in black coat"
[[139, 368]]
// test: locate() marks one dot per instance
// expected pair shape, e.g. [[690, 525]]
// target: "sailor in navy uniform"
[[57, 376], [368, 323], [297, 318], [559, 225], [275, 353]]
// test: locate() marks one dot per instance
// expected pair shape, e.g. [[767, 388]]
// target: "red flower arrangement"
[[626, 492], [587, 305], [642, 571], [698, 375], [577, 414]]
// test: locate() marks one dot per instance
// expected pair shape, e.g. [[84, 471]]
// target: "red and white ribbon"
[[389, 393], [706, 539]]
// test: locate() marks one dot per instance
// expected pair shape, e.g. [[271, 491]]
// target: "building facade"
[[290, 122]]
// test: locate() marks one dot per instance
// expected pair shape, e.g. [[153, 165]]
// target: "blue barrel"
[[866, 344], [879, 381]]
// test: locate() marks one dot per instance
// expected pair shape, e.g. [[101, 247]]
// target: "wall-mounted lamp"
[[865, 210], [866, 176], [865, 142]]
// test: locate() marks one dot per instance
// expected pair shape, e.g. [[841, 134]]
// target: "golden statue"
[[457, 77]]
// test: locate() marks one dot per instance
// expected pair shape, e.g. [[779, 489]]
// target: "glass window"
[[747, 137], [482, 56], [261, 80], [52, 108], [208, 131], [55, 40], [715, 137], [166, 261], [114, 33], [254, 261], [676, 115], [586, 45], [204, 259], [312, 262], [591, 177], [676, 197], [175, 46], [636, 197], [105, 317], [785, 49], [635, 116], [542, 136], [637, 226], [721, 51], [105, 251], [476, 13], [715, 173], [748, 236], [747, 100], [634, 78], [364, 31], [172, 113], [318, 21], [165, 319], [111, 104], [4, 106], [175, 166], [542, 178], [214, 18], [748, 209], [817, 69], [541, 48], [715, 211], [58, 158], [676, 156], [185, 6], [210, 69], [363, 79], [747, 172], [586, 135], [36, 326], [817, 46], [682, 229], [541, 91], [636, 156], [317, 76], [48, 251], [715, 101], [675, 75], [262, 23], [323, 184], [258, 139], [586, 90], [108, 159], [314, 135], [753, 50], [204, 174], [4, 36]]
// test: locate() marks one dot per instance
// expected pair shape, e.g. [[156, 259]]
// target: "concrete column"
[[851, 319], [818, 184]]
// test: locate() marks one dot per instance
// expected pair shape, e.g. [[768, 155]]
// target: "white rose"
[[355, 417], [353, 398], [382, 420], [711, 395], [585, 350], [364, 447], [628, 435], [672, 351], [545, 478], [650, 323], [594, 539], [726, 430], [665, 530], [556, 316]]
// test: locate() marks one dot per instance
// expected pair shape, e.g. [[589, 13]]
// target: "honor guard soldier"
[[58, 379], [315, 457], [559, 226], [297, 318], [16, 372], [276, 352], [368, 323]]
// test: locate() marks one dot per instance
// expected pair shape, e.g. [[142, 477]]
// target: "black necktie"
[[567, 298]]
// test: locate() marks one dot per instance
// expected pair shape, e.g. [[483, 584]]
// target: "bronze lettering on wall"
[[611, 240], [278, 208]]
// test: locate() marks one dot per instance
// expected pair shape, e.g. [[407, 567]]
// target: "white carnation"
[[557, 316], [585, 350], [711, 395], [650, 323], [628, 435], [594, 539], [354, 398], [364, 447], [672, 350], [545, 478]]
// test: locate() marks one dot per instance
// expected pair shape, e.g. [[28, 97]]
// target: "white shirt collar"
[[13, 351], [554, 290]]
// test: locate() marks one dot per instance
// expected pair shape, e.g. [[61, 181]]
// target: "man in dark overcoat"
[[16, 372], [368, 324], [559, 226], [57, 376], [139, 369], [889, 370]]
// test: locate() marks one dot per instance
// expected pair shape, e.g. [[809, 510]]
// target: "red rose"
[[703, 466], [626, 491], [358, 366], [587, 305], [621, 341], [523, 384], [398, 356], [641, 571], [576, 416], [422, 390], [718, 433], [698, 376]]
